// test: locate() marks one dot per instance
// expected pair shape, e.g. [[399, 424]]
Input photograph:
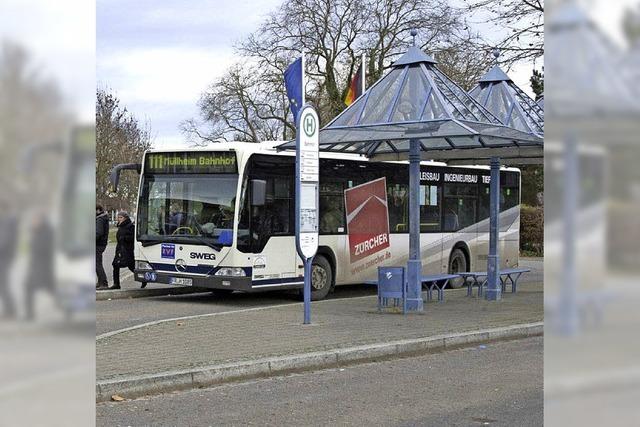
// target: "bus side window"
[[332, 220], [397, 201], [430, 208], [459, 208]]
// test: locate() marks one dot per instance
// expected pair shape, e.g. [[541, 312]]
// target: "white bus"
[[222, 217]]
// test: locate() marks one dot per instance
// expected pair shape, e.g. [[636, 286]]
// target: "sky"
[[158, 56], [60, 38]]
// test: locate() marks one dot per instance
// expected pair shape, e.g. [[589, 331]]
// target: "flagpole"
[[364, 73], [304, 83]]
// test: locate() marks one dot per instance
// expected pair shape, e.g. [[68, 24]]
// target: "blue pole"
[[307, 290], [414, 266], [568, 307], [494, 290]]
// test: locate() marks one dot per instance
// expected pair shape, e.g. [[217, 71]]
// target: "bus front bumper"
[[210, 282]]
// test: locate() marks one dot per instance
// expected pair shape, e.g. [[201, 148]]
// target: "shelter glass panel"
[[412, 97], [351, 115], [381, 97], [434, 110]]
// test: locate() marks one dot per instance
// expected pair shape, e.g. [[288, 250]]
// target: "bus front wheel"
[[321, 278], [457, 264]]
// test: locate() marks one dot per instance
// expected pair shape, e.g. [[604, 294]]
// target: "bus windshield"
[[193, 208]]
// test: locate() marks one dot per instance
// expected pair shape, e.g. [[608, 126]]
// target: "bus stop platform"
[[203, 350]]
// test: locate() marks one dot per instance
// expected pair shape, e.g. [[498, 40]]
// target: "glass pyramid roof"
[[587, 81], [413, 90], [415, 100], [500, 95]]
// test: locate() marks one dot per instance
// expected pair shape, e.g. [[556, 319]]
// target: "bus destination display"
[[192, 162]]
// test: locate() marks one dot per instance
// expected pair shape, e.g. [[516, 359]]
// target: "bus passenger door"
[[273, 236]]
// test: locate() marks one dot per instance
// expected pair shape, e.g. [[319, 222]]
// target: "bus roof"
[[269, 147]]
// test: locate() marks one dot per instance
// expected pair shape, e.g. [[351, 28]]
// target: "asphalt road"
[[501, 385], [118, 314]]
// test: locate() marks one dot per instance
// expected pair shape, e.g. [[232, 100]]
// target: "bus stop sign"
[[307, 180]]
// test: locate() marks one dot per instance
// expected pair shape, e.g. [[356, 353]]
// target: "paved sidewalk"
[[277, 331]]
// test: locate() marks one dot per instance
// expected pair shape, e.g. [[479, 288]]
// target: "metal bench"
[[479, 279], [394, 291], [511, 275], [438, 282]]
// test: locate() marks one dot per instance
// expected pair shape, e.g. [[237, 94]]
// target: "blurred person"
[[124, 248], [8, 243], [102, 239], [40, 275], [177, 218]]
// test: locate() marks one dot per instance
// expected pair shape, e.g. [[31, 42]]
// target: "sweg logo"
[[197, 255]]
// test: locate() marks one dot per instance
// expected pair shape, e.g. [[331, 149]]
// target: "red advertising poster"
[[367, 218]]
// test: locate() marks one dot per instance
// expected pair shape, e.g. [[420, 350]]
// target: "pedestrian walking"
[[8, 242], [102, 238], [124, 248], [40, 275]]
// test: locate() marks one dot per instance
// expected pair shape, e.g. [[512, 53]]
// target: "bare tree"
[[463, 62], [249, 103], [244, 105], [32, 118], [120, 138], [631, 25], [522, 22]]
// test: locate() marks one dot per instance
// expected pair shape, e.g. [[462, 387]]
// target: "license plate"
[[181, 281]]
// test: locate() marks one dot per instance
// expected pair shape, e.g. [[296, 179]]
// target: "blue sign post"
[[307, 205], [494, 289]]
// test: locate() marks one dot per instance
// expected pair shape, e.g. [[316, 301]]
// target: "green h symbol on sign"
[[309, 124]]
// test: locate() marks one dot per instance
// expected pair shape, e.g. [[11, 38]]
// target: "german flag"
[[355, 87]]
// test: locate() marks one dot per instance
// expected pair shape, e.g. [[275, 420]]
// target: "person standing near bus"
[[8, 242], [40, 275], [102, 238], [124, 248]]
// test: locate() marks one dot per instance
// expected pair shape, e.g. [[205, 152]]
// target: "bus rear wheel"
[[457, 264], [321, 278]]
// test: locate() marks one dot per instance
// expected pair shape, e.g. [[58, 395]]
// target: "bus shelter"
[[415, 112], [502, 97], [592, 143]]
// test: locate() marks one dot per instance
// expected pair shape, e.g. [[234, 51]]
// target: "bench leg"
[[469, 286], [514, 283], [481, 287], [441, 291]]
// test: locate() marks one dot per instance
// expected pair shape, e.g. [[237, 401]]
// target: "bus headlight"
[[231, 271], [143, 265]]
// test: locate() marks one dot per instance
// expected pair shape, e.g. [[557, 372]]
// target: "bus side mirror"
[[258, 192], [114, 178]]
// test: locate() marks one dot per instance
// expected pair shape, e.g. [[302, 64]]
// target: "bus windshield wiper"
[[213, 246]]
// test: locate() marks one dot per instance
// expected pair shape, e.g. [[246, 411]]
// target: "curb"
[[141, 293], [138, 386], [592, 382]]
